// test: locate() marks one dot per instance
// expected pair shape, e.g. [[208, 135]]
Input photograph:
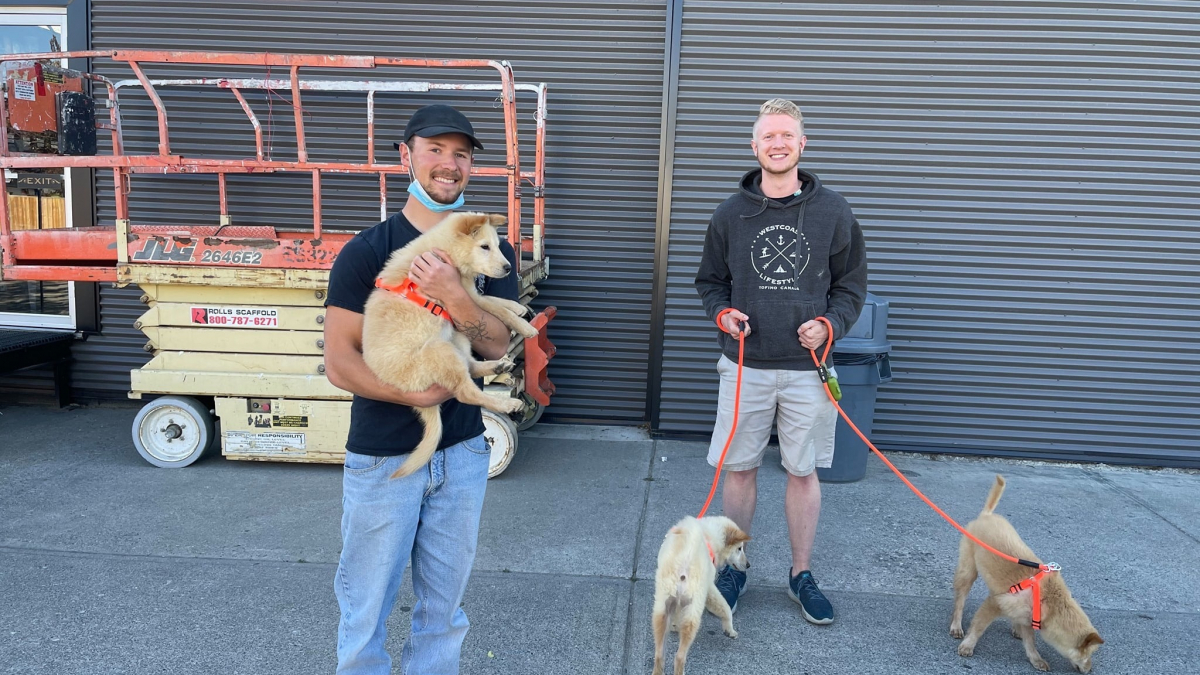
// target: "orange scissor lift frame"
[[235, 312]]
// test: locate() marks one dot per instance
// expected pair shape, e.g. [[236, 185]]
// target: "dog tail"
[[993, 497], [432, 419]]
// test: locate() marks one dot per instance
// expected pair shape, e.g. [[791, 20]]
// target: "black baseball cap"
[[434, 120]]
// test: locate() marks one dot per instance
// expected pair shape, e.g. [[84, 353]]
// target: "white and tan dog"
[[410, 347], [1065, 626], [684, 587]]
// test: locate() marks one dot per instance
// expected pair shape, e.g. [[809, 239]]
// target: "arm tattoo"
[[473, 330]]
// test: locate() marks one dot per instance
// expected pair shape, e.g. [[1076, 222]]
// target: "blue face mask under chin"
[[415, 189]]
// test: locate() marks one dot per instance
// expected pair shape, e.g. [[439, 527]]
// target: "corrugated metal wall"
[[1026, 176], [603, 63], [102, 363]]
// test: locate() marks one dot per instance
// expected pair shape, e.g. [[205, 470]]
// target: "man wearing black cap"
[[432, 516]]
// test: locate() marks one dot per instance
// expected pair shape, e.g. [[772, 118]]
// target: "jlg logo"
[[157, 250]]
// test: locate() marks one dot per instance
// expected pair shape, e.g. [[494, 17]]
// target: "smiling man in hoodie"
[[778, 254]]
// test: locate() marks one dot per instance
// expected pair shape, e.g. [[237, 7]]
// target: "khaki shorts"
[[794, 399]]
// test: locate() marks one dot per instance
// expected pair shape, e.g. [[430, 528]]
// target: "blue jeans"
[[432, 516]]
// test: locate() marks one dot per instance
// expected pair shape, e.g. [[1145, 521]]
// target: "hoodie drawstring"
[[759, 212]]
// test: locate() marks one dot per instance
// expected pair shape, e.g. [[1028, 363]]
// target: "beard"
[[442, 193]]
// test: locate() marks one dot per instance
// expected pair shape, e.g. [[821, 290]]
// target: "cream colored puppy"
[[411, 348], [1064, 624], [684, 587]]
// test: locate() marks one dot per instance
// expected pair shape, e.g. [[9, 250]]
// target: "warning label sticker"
[[266, 443], [24, 90], [236, 317], [289, 421]]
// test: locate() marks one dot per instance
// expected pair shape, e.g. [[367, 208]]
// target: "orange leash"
[[1033, 582], [821, 367], [737, 400]]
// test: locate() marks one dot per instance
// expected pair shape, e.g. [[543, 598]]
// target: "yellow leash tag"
[[829, 376]]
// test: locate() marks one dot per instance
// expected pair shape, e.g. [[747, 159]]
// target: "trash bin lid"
[[868, 335]]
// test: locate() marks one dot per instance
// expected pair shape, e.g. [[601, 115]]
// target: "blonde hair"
[[779, 106]]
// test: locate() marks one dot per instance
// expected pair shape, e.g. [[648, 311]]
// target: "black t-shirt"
[[378, 427]]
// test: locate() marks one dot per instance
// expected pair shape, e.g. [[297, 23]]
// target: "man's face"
[[778, 143], [441, 164]]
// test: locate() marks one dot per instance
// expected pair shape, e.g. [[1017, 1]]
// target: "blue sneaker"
[[732, 585], [803, 589]]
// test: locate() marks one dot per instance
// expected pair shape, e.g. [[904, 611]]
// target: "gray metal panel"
[[102, 362], [1026, 175], [603, 63]]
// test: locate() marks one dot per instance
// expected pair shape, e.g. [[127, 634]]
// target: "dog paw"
[[526, 330], [1040, 664], [956, 632], [512, 405], [732, 633], [504, 365], [966, 650], [1016, 633]]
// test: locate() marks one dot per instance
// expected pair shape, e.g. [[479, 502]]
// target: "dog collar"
[[408, 289]]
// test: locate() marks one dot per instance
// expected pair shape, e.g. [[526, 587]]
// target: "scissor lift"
[[235, 312]]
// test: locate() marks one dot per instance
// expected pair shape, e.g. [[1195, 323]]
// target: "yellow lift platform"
[[235, 313]]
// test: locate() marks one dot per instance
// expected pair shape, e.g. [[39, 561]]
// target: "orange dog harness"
[[1035, 582], [409, 290]]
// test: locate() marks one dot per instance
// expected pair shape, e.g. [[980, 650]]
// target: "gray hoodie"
[[782, 265]]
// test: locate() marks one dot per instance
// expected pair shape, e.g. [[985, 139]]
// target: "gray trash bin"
[[862, 361]]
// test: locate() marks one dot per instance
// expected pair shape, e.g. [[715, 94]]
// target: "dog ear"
[[1093, 638], [496, 220], [735, 536], [469, 223]]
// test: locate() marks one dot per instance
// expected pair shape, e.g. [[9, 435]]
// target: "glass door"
[[37, 198]]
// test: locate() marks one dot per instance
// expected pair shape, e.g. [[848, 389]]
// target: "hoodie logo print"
[[779, 256]]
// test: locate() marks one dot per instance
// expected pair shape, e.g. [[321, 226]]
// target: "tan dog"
[[410, 348], [1064, 624], [684, 587]]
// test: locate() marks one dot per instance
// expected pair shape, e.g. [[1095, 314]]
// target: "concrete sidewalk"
[[109, 565]]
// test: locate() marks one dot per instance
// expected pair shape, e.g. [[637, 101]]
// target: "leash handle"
[[828, 342], [743, 326]]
